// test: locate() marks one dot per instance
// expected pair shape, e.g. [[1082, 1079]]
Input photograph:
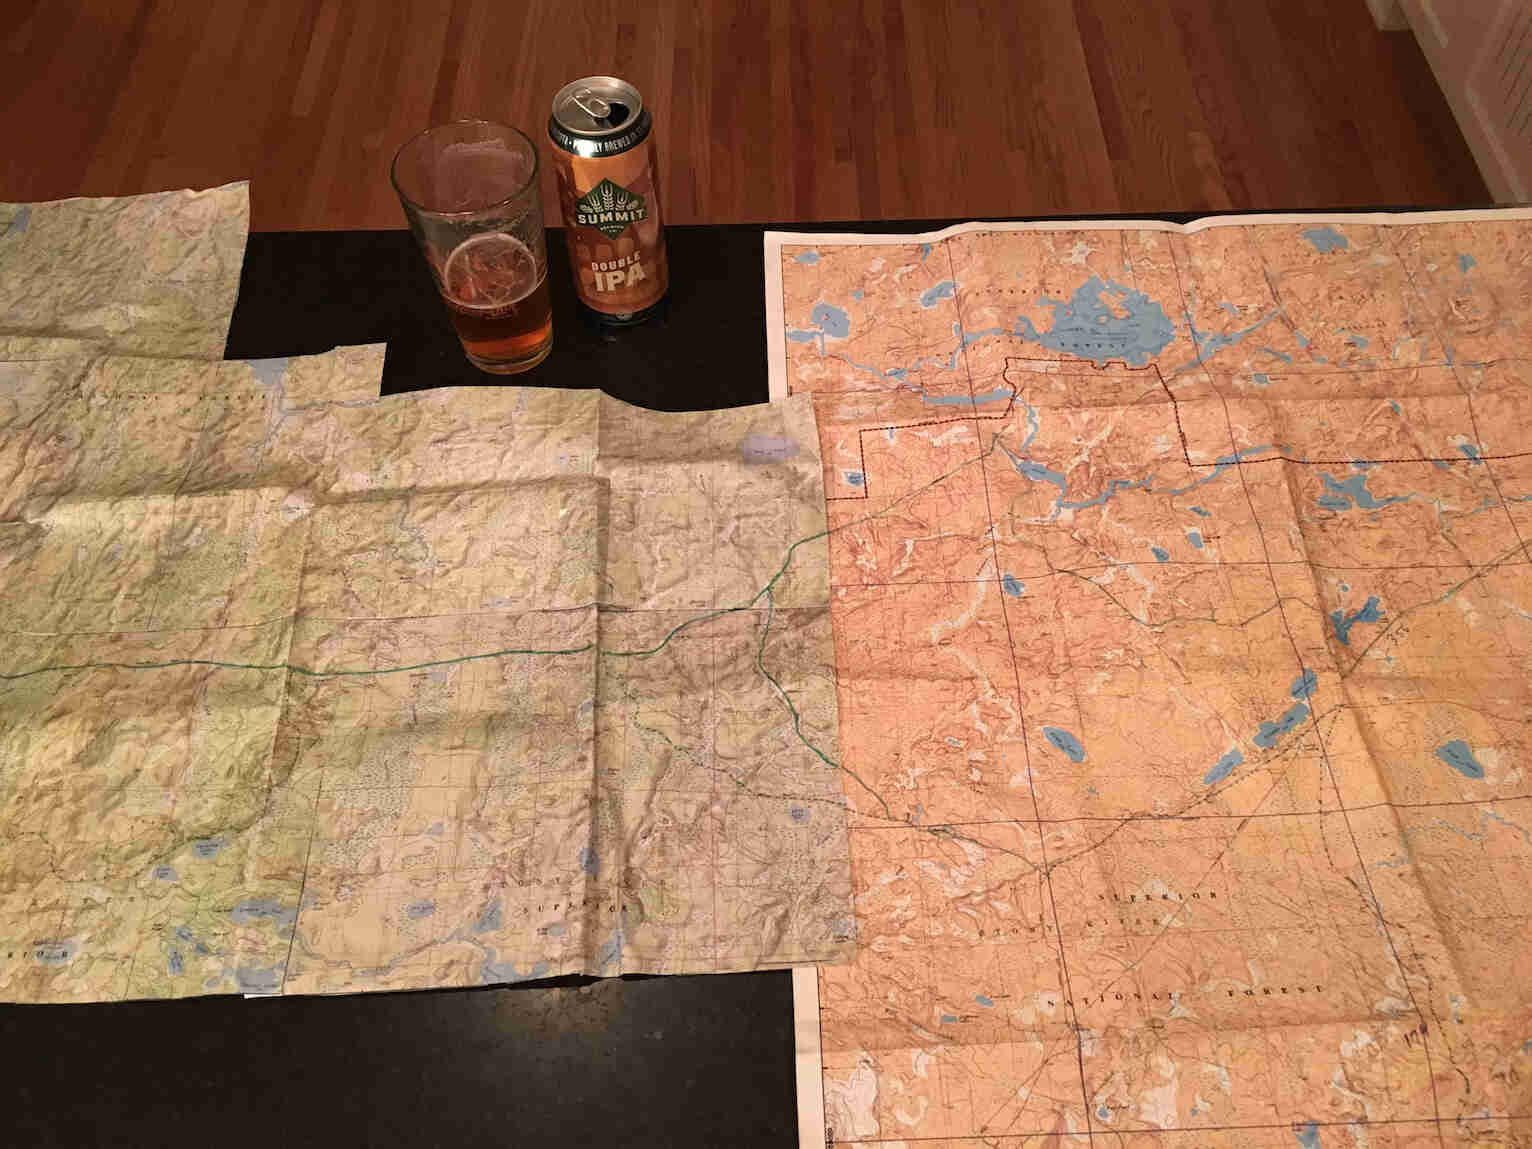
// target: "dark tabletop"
[[630, 1062], [306, 292]]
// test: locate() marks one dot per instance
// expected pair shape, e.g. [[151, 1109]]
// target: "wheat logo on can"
[[604, 158]]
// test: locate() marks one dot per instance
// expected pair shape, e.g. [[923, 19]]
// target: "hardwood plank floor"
[[765, 109]]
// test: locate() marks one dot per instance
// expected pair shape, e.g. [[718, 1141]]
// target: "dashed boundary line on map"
[[1086, 369], [861, 453]]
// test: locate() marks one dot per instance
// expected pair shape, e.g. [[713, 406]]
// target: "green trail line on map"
[[289, 666], [765, 592]]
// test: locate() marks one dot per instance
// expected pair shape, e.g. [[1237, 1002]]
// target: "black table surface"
[[672, 1061], [305, 292]]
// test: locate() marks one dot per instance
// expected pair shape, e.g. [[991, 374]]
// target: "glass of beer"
[[470, 192]]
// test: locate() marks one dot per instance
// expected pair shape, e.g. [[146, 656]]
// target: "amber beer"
[[470, 193], [497, 296], [603, 156]]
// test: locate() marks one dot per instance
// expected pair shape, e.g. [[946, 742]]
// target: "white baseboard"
[[1481, 53], [1388, 15]]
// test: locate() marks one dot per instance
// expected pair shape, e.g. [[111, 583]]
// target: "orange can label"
[[613, 228]]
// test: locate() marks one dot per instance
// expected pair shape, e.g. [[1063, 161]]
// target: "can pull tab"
[[591, 104]]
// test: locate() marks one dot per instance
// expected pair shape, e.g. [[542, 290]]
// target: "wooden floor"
[[765, 109]]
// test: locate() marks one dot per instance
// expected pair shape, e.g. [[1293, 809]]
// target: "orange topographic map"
[[1183, 628]]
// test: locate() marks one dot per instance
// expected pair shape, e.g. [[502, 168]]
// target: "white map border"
[[775, 241], [808, 1057]]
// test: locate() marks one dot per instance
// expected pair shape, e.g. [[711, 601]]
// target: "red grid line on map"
[[862, 455], [1382, 924], [1072, 1016]]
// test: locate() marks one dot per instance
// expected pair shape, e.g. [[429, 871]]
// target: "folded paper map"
[[307, 690], [1183, 617], [141, 275]]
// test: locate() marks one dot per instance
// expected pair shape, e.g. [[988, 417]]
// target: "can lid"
[[598, 116]]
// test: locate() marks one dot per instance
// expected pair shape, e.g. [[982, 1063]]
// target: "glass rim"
[[531, 181]]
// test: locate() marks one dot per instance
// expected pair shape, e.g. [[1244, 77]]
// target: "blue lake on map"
[[1088, 324], [1065, 741]]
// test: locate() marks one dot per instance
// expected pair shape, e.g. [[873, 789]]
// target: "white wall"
[[1481, 53]]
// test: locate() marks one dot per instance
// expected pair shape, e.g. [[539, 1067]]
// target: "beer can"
[[603, 156]]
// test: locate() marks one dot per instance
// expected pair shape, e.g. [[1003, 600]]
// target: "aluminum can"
[[604, 159]]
